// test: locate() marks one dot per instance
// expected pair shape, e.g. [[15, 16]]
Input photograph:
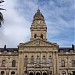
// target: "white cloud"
[[19, 15], [15, 29]]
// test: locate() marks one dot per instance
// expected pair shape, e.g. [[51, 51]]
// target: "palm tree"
[[1, 15]]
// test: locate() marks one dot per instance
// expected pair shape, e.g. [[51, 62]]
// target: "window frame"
[[73, 63], [44, 60], [14, 63], [32, 60], [3, 63], [50, 62], [62, 63], [38, 60], [25, 61]]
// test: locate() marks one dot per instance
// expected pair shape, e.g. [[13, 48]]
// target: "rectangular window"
[[50, 62], [62, 63], [32, 60], [38, 60], [73, 63], [25, 62], [3, 63], [44, 60]]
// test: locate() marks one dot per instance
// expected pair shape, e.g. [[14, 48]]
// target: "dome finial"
[[38, 9]]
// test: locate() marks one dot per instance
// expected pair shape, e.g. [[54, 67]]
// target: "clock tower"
[[38, 27]]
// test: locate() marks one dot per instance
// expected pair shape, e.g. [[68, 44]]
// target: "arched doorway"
[[44, 73], [31, 73], [37, 73], [2, 72], [12, 73], [63, 73]]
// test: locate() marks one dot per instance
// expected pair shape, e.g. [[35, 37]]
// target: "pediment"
[[38, 42]]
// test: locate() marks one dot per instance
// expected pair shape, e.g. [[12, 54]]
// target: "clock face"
[[38, 21]]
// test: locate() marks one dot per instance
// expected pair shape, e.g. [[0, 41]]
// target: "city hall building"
[[37, 56]]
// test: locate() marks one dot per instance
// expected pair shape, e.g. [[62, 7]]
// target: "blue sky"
[[59, 17]]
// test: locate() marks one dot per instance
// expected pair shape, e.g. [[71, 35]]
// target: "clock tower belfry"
[[38, 27]]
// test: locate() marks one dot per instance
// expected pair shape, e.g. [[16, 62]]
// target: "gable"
[[38, 42]]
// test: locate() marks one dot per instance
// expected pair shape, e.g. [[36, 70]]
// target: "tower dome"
[[38, 27], [38, 15]]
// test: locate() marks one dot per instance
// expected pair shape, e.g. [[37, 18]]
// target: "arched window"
[[35, 36], [2, 72], [12, 73], [42, 36], [13, 63], [3, 63]]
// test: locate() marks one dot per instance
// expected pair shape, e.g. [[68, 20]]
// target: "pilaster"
[[54, 63]]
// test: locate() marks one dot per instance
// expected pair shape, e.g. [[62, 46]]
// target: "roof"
[[8, 49], [38, 42], [68, 49], [38, 15]]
